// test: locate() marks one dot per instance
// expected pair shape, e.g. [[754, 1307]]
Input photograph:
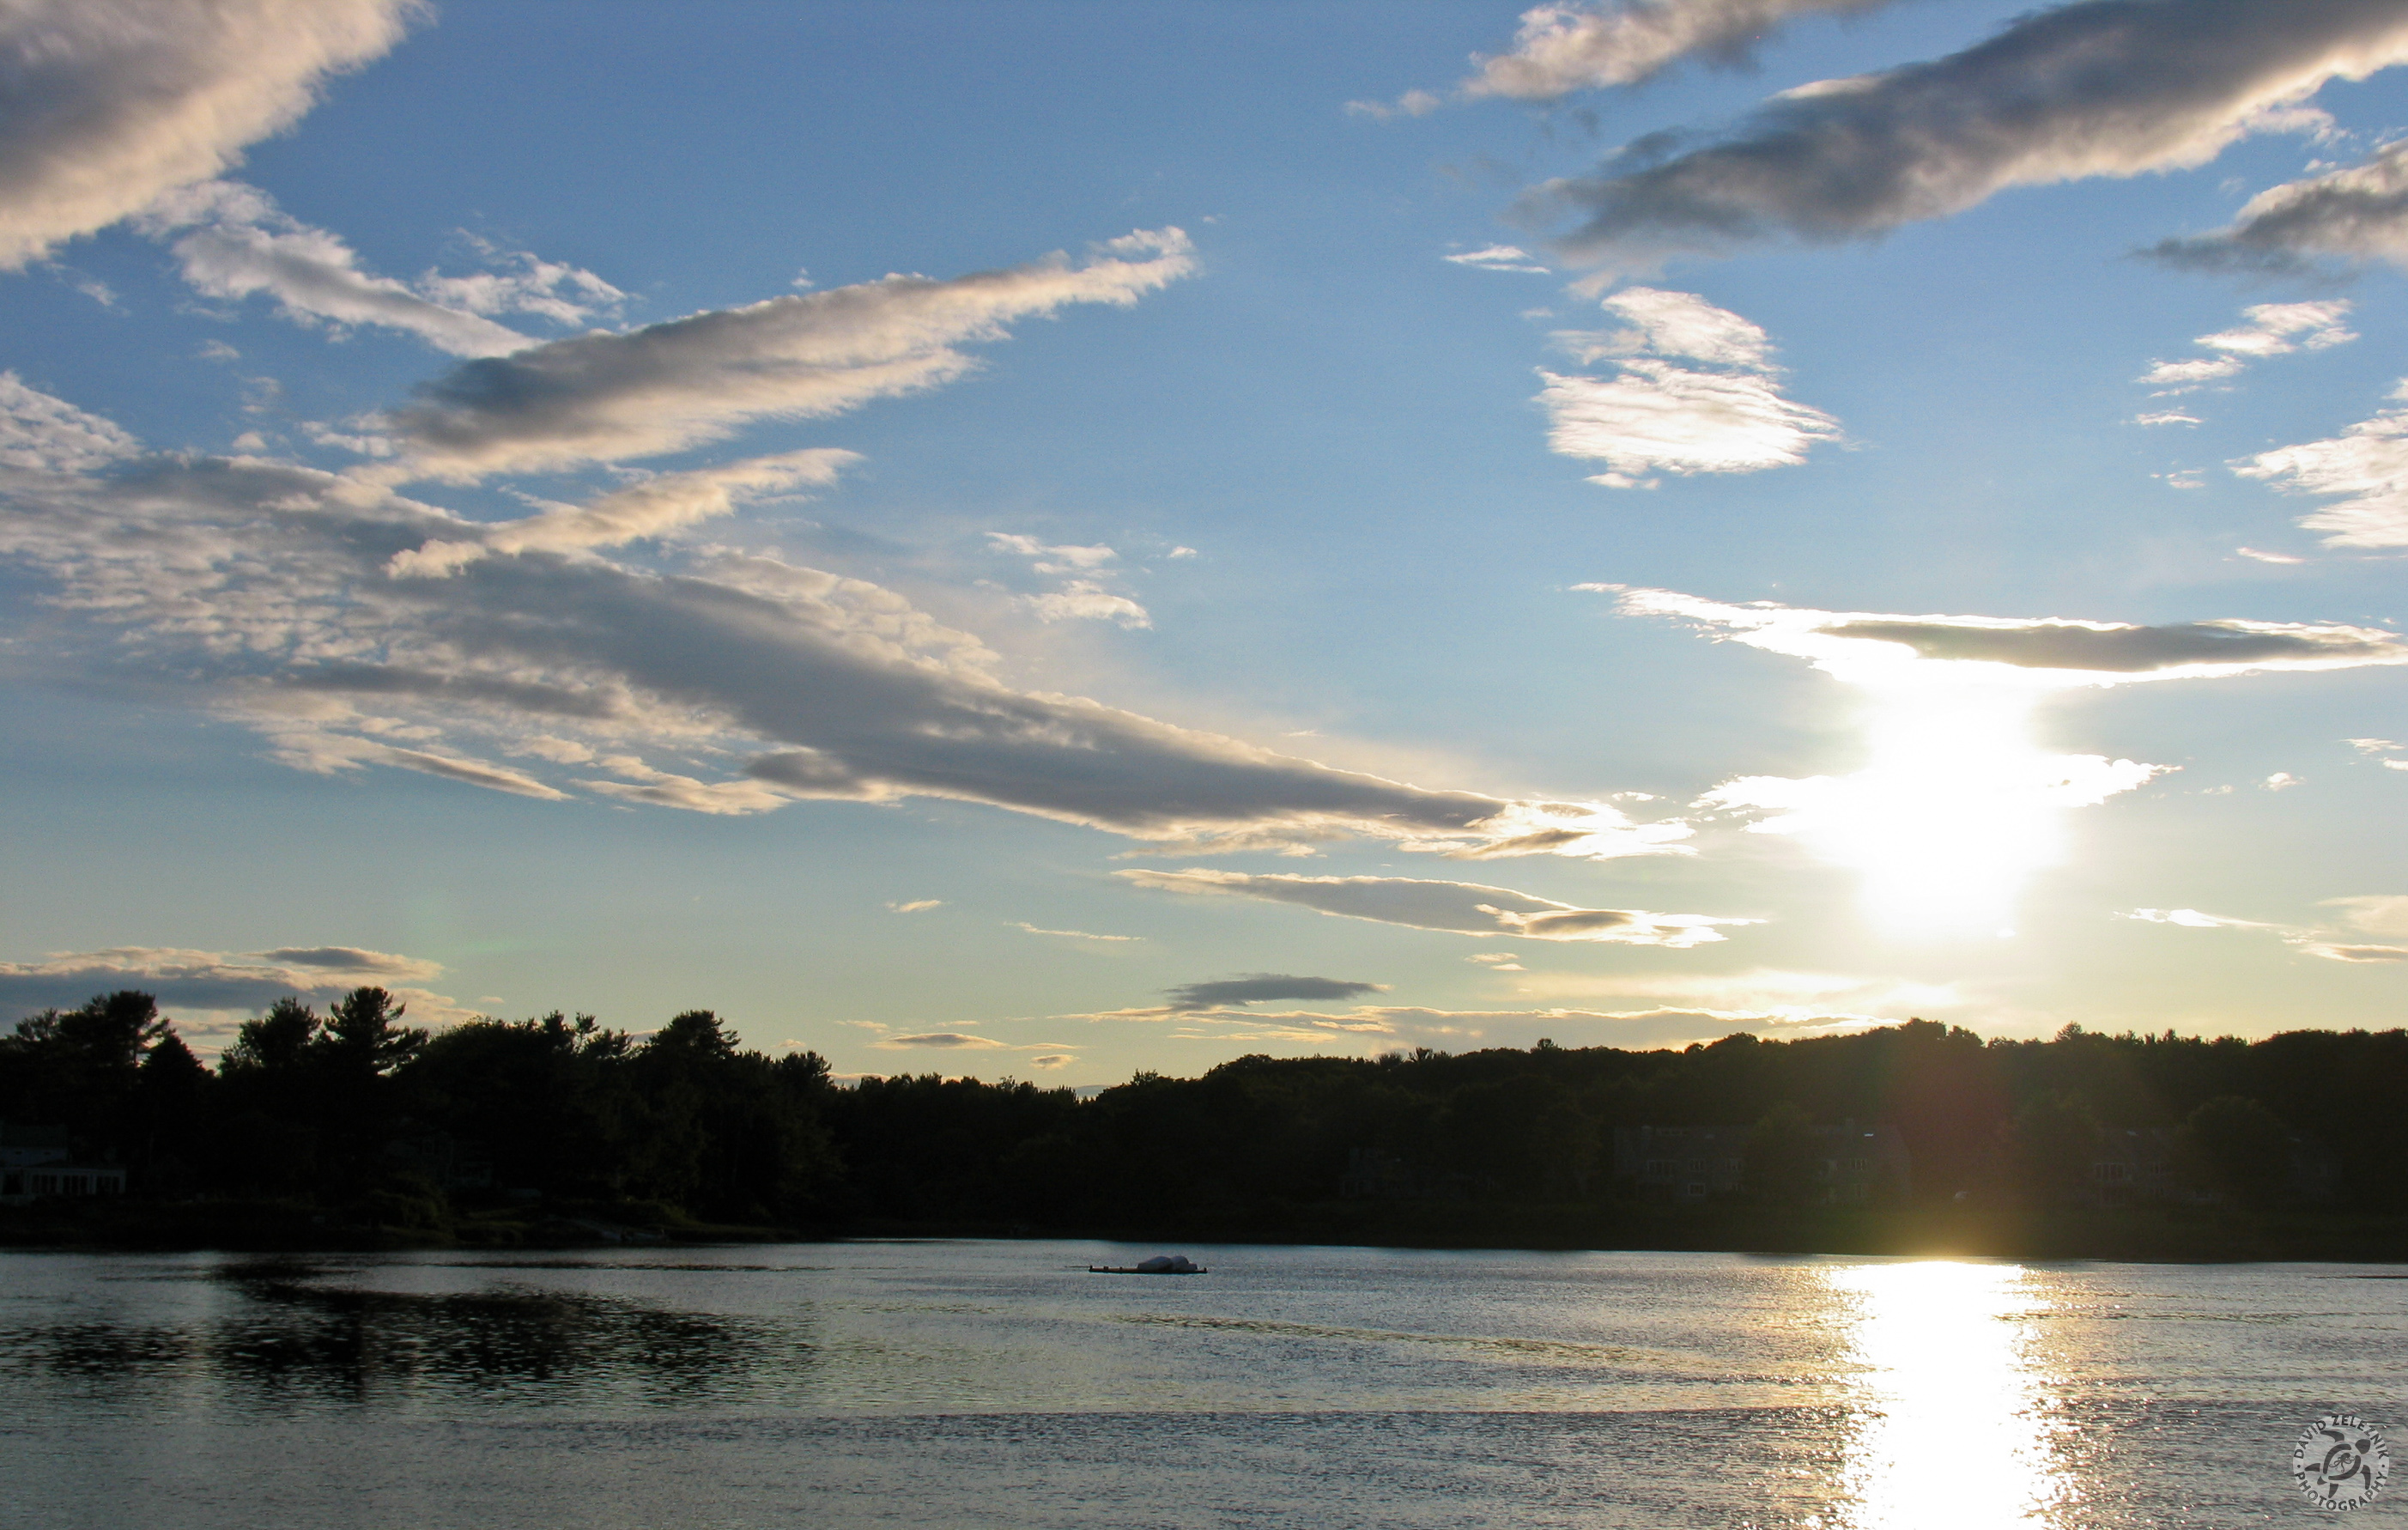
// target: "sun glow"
[[1951, 1423], [1957, 806]]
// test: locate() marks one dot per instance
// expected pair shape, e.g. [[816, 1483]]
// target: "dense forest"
[[354, 1126]]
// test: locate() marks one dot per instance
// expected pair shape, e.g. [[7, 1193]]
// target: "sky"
[[1054, 540]]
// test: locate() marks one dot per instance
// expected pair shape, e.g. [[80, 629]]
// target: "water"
[[998, 1384]]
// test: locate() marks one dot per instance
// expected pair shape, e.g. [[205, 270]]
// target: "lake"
[[975, 1383]]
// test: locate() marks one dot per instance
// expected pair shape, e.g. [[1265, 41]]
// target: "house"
[[1681, 1163], [38, 1161], [2132, 1165]]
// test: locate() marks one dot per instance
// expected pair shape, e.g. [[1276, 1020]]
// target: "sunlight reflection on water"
[[1952, 1428]]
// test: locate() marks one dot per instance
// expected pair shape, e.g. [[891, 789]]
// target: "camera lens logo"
[[2341, 1462]]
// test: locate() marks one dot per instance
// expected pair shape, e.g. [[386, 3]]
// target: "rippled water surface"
[[973, 1383]]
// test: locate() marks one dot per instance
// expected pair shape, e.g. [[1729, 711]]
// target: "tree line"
[[377, 1123]]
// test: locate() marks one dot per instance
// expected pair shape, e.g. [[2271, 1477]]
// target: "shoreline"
[[2157, 1236]]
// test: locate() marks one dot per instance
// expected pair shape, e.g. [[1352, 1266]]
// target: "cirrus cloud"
[[1459, 907]]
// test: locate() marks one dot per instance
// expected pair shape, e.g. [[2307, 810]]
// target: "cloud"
[[2358, 953], [1262, 987], [2099, 87], [2184, 376], [2380, 915], [325, 753], [219, 983], [111, 103], [2385, 913], [607, 397], [1958, 804], [1050, 1060], [1852, 644], [2166, 417], [1497, 257], [1077, 599], [241, 243], [917, 906], [950, 1039], [654, 506], [2191, 919], [1584, 45], [2272, 326], [1803, 997], [1070, 934], [1084, 600], [1727, 416], [39, 434], [2270, 332], [354, 959], [2366, 466], [1462, 908], [262, 589], [2356, 214], [1052, 560], [1387, 1027], [640, 783]]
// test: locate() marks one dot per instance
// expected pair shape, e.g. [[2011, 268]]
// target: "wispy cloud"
[[1498, 257], [2097, 88], [2273, 329], [1721, 413], [2356, 214], [113, 102], [917, 906], [1072, 935], [1860, 643], [233, 242], [608, 398], [1460, 907], [2365, 468], [1583, 45], [1377, 1028], [2376, 915], [649, 508], [1265, 986]]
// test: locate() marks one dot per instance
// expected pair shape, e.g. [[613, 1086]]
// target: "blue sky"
[[1330, 544]]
